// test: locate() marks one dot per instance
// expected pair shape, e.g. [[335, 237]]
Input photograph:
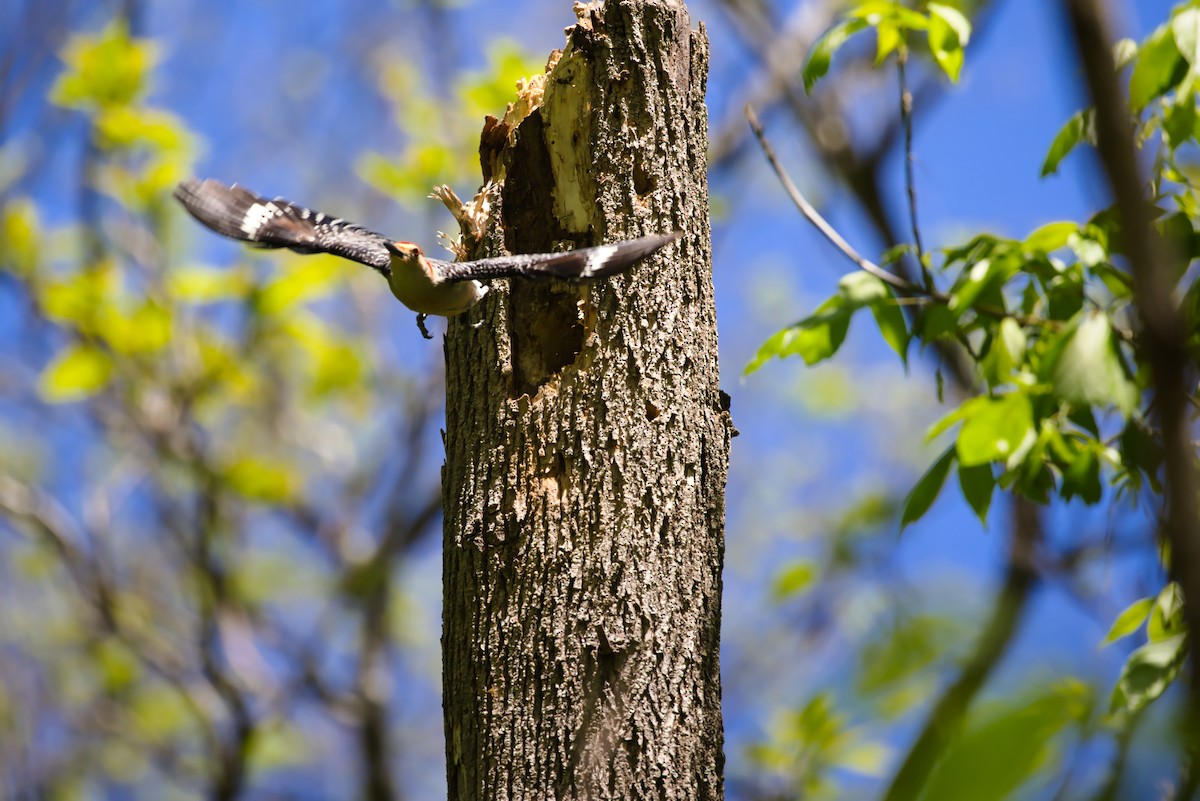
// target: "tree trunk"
[[587, 443]]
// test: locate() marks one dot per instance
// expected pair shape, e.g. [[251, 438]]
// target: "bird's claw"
[[421, 325]]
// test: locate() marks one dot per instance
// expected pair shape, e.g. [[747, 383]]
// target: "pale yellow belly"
[[447, 300]]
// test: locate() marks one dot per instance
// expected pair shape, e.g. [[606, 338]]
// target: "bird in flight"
[[425, 285]]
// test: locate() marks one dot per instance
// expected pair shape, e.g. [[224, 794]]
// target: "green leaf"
[[1082, 477], [949, 32], [333, 361], [927, 489], [937, 322], [813, 339], [159, 712], [1129, 621], [1081, 127], [891, 324], [104, 70], [795, 579], [888, 38], [75, 373], [206, 284], [1124, 52], [130, 126], [118, 666], [1177, 234], [860, 288], [1185, 28], [277, 745], [1051, 237], [1159, 67], [877, 11], [994, 428], [146, 330], [1084, 365], [1141, 454], [1023, 733], [863, 289], [891, 21], [1089, 247], [312, 279], [979, 248], [821, 54], [1007, 351], [943, 425], [1166, 617], [1147, 673], [261, 480], [77, 299], [20, 237], [978, 281], [977, 483], [1179, 118]]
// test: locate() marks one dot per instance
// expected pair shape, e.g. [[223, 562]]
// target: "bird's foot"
[[421, 325]]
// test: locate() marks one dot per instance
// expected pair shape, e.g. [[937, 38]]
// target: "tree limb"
[[1163, 335]]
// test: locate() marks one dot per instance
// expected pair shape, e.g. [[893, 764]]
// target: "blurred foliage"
[[1062, 409], [442, 134], [223, 441]]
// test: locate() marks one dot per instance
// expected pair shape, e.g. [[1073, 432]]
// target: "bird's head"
[[404, 250]]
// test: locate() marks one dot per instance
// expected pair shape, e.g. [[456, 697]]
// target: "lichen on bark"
[[586, 444]]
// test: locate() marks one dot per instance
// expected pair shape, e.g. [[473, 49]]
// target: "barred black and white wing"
[[238, 213], [575, 265]]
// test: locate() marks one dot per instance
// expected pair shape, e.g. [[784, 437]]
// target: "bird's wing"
[[575, 265], [238, 213]]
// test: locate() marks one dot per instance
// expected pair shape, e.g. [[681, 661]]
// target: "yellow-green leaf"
[[198, 284], [316, 277], [1159, 66], [1147, 673], [107, 69], [20, 236], [76, 373], [949, 32], [794, 580], [146, 330], [813, 339], [821, 54], [1185, 27], [1085, 366], [994, 428], [1050, 237], [262, 480], [1129, 621], [1080, 128]]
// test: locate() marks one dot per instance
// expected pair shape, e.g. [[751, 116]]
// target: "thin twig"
[[814, 217], [838, 241], [910, 182]]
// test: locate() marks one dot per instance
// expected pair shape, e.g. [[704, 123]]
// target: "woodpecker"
[[427, 286]]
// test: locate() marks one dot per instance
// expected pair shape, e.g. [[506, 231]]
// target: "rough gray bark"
[[587, 446]]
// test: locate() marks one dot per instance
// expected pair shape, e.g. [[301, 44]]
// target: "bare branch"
[[948, 713], [814, 217], [1163, 335], [910, 183]]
